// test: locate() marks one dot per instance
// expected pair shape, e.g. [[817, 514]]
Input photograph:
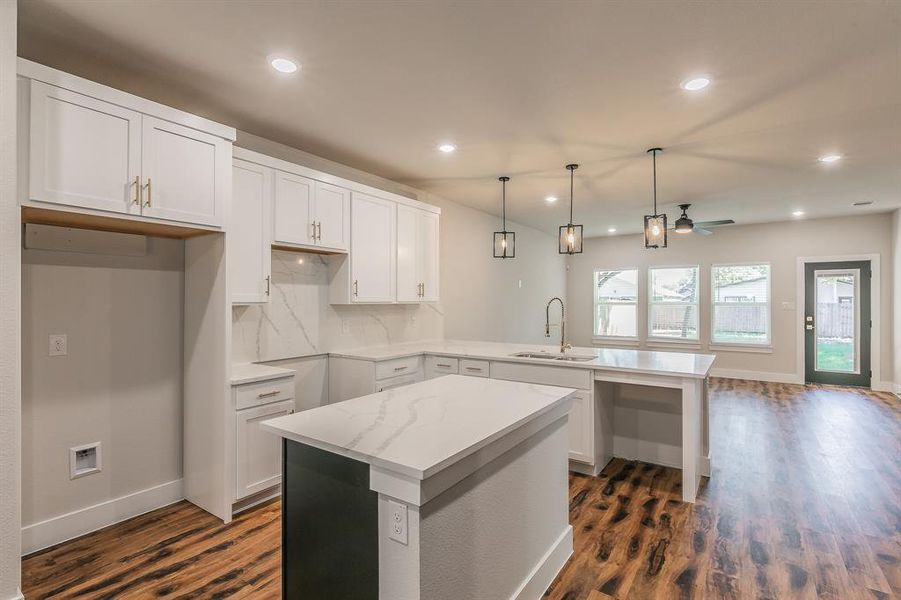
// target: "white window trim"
[[599, 340], [664, 341], [766, 345]]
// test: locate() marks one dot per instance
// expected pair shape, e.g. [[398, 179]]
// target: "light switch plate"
[[59, 345], [397, 525]]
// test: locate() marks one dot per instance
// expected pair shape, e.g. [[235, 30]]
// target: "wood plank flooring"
[[805, 502]]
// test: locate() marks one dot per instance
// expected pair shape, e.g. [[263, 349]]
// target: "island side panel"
[[330, 533], [502, 532]]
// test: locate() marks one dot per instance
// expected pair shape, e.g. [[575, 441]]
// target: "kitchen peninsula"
[[454, 488], [634, 404]]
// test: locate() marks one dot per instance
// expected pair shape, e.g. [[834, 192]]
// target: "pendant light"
[[570, 240], [655, 224], [504, 241]]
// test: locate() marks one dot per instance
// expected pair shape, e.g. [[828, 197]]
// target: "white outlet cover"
[[397, 522], [59, 345]]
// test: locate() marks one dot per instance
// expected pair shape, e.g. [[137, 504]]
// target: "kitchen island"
[[453, 488]]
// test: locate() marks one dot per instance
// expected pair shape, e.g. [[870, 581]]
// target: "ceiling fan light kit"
[[683, 223], [655, 224], [504, 241], [570, 237]]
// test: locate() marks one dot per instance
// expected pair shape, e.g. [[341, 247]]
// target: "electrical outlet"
[[397, 527], [58, 345]]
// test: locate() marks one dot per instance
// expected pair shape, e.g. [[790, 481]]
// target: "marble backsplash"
[[299, 321]]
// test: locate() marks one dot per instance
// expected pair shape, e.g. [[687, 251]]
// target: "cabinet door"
[[84, 152], [580, 428], [332, 211], [292, 214], [408, 280], [428, 255], [250, 255], [186, 173], [373, 261], [259, 453]]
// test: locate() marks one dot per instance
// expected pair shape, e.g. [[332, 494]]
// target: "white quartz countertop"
[[252, 372], [681, 364], [420, 429]]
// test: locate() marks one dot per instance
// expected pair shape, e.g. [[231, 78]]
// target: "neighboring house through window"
[[741, 304], [616, 304], [673, 303]]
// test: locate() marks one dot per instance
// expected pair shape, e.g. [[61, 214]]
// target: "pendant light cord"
[[504, 203], [571, 173], [654, 154]]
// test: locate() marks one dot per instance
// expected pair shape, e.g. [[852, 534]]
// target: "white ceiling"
[[523, 88]]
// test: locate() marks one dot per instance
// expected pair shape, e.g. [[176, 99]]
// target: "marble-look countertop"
[[420, 429], [681, 364], [251, 372]]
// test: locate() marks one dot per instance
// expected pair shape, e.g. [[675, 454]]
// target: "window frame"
[[664, 340], [761, 346], [615, 339]]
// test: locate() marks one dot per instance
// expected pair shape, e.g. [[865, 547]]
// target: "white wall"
[[777, 243], [896, 301], [120, 383], [10, 320]]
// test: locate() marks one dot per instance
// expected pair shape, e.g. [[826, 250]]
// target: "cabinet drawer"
[[542, 374], [474, 368], [396, 382], [264, 392], [441, 365], [397, 366]]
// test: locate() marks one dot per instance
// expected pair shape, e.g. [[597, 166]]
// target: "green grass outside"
[[835, 355]]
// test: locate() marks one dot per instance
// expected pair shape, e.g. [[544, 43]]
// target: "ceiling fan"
[[685, 225]]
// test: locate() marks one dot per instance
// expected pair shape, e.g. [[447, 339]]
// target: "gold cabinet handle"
[[149, 192], [314, 230], [319, 230], [268, 394], [356, 288], [137, 199]]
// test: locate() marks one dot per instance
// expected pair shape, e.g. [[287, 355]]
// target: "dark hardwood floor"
[[805, 502]]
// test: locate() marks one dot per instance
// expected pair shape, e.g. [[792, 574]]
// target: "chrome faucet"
[[547, 323]]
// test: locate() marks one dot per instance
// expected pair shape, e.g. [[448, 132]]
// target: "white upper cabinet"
[[292, 214], [373, 249], [417, 255], [95, 148], [331, 210], [250, 255], [84, 152], [180, 167]]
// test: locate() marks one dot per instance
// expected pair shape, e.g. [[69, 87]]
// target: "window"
[[673, 303], [741, 304], [616, 304]]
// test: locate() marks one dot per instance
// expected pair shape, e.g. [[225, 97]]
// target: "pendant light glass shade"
[[655, 224], [504, 241], [570, 239]]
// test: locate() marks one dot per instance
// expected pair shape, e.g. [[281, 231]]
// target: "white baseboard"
[[756, 375], [884, 386], [38, 536], [544, 573], [17, 596]]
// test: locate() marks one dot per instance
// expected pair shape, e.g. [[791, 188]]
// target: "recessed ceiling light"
[[283, 65], [830, 158], [798, 213], [447, 148], [551, 199], [611, 230], [695, 83]]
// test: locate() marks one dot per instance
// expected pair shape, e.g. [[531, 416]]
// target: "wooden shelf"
[[77, 220]]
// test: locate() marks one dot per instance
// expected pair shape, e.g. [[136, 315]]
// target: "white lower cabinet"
[[581, 438], [258, 453]]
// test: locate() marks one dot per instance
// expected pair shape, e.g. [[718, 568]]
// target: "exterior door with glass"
[[837, 323]]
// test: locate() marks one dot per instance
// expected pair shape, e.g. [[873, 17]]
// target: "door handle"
[[356, 288], [137, 200], [809, 327], [268, 283], [149, 192], [319, 230]]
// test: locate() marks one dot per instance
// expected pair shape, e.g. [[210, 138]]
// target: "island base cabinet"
[[581, 438], [330, 527], [258, 452]]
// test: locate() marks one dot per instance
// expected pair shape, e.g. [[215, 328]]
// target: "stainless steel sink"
[[549, 356]]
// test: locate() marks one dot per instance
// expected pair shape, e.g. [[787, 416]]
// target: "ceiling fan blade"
[[714, 223], [701, 231]]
